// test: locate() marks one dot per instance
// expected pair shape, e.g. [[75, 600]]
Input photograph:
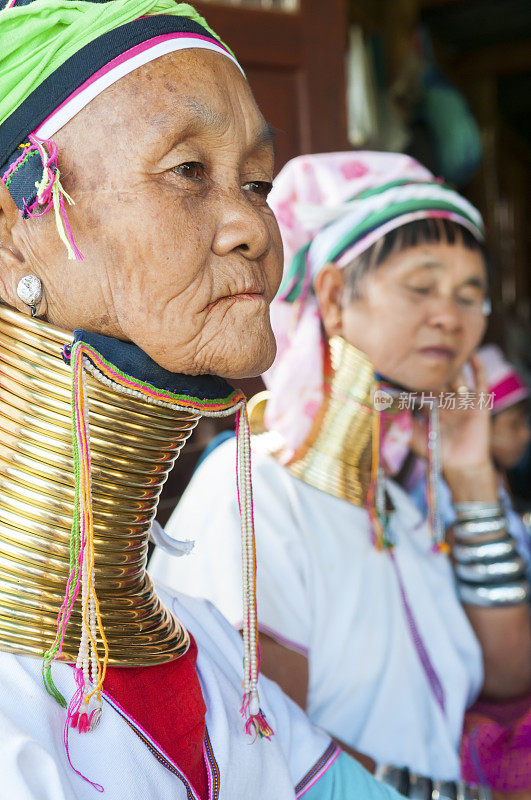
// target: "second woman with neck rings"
[[385, 287]]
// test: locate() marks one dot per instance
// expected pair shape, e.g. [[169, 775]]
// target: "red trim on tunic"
[[166, 700]]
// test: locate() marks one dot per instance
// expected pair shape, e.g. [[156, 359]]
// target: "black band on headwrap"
[[55, 89]]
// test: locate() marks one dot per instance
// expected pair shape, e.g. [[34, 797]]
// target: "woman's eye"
[[261, 188], [420, 290], [193, 170], [471, 297], [468, 301]]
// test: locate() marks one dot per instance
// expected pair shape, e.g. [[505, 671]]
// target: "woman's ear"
[[13, 265], [328, 286], [11, 259]]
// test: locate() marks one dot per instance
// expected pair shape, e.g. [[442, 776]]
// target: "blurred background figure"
[[447, 81], [511, 432]]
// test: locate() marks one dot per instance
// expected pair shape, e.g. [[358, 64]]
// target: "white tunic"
[[324, 590], [117, 754]]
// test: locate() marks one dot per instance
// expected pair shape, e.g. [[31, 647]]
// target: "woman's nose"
[[242, 227], [445, 313]]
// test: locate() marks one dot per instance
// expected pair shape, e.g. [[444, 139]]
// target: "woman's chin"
[[435, 379], [246, 357], [251, 361]]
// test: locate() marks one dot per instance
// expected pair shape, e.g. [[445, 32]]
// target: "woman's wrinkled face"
[[419, 315], [169, 170]]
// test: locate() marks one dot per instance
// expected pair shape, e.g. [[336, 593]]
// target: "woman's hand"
[[466, 429], [465, 432]]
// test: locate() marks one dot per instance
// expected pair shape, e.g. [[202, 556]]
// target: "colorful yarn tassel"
[[84, 709], [50, 194], [81, 576]]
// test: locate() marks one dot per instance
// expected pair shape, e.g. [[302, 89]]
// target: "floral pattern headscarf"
[[331, 207]]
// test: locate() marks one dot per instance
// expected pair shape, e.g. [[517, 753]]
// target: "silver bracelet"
[[477, 509], [485, 572], [480, 527], [418, 787], [396, 777], [511, 594], [495, 550]]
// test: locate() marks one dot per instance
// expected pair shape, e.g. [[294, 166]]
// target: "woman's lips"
[[245, 296], [438, 353], [253, 297]]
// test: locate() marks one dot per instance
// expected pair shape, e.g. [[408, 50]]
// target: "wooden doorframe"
[[310, 43]]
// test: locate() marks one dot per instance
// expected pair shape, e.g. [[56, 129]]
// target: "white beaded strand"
[[434, 473], [251, 703], [250, 633]]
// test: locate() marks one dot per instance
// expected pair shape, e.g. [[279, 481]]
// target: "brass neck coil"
[[133, 447], [336, 457]]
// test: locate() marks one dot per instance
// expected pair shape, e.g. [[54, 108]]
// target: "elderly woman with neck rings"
[[384, 296], [175, 257]]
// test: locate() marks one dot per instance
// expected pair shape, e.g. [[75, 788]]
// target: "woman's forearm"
[[504, 632], [478, 482], [505, 638]]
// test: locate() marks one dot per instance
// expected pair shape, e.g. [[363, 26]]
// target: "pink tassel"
[[258, 725], [76, 720], [255, 720], [50, 194]]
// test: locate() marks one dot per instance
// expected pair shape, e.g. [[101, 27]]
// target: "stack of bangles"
[[417, 787], [489, 570]]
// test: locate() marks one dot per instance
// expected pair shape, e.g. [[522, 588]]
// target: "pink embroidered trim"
[[152, 744], [144, 389], [318, 770], [283, 640], [429, 670], [12, 167]]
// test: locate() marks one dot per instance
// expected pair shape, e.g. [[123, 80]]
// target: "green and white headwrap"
[[57, 55]]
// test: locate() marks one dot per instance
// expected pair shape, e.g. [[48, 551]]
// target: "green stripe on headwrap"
[[39, 37], [297, 274], [293, 280], [394, 211]]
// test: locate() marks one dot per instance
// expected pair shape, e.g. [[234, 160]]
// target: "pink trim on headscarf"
[[509, 391], [503, 379], [367, 241]]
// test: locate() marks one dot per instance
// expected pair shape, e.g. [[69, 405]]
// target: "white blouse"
[[390, 673], [122, 758]]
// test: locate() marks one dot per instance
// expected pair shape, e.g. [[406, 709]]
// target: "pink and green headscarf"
[[331, 207]]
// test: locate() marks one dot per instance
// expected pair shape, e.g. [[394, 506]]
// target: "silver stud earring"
[[29, 290]]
